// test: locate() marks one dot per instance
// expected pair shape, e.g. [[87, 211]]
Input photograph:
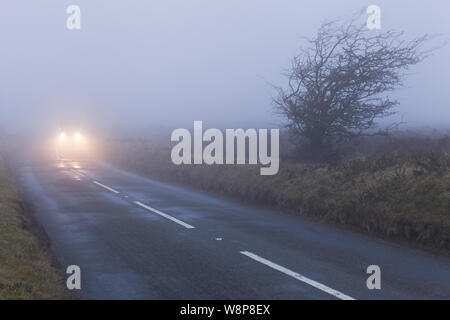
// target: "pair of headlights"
[[77, 136]]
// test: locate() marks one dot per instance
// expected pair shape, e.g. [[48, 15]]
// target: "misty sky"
[[165, 62]]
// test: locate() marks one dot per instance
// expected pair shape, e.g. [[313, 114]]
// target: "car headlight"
[[62, 136], [78, 137]]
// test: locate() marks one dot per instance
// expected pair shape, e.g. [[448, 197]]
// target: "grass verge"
[[26, 271], [401, 197]]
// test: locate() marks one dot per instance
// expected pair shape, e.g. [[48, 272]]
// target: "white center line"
[[298, 276], [78, 173], [162, 214], [106, 187]]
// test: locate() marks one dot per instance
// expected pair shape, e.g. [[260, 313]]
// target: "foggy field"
[[397, 190], [25, 270]]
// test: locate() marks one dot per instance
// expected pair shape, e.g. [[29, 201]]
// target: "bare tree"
[[336, 84]]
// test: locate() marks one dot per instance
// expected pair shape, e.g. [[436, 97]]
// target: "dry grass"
[[403, 197], [26, 271]]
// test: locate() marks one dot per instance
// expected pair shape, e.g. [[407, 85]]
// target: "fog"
[[151, 64]]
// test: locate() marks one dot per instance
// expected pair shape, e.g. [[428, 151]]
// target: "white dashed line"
[[253, 256], [162, 214], [106, 187], [78, 173], [298, 276]]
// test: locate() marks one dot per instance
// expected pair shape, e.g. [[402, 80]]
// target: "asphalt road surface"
[[136, 238]]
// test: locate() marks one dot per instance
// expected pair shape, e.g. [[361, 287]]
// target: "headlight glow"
[[78, 136], [62, 136]]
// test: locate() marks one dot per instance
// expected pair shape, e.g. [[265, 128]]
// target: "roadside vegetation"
[[337, 164], [26, 271], [394, 188]]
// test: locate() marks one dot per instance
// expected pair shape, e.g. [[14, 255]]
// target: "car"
[[71, 143]]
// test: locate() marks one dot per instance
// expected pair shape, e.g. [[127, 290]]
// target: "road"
[[136, 238]]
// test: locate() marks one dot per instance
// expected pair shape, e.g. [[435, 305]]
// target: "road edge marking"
[[165, 215], [298, 276], [105, 187]]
